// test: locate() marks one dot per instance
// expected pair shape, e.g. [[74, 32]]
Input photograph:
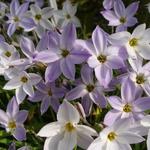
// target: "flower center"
[[102, 58], [7, 53], [38, 17], [68, 16], [49, 92], [24, 79], [90, 87], [127, 108], [16, 19], [122, 20], [112, 136], [133, 42], [64, 53], [12, 125], [69, 127], [140, 79]]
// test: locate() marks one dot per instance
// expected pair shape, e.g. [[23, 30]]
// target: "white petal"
[[20, 95], [98, 144], [146, 121], [144, 51], [86, 130], [34, 78], [52, 142], [139, 31], [50, 129], [129, 138], [28, 88], [35, 9], [12, 84], [67, 113], [119, 38], [68, 142], [93, 62], [84, 140]]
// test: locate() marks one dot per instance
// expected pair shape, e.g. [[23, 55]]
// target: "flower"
[[23, 83], [121, 17], [62, 54], [13, 120], [67, 15], [11, 64], [28, 48], [116, 137], [41, 18], [17, 18], [131, 106], [48, 94], [88, 90], [140, 75], [103, 59], [136, 43], [66, 133]]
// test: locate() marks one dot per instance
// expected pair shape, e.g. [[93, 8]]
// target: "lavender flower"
[[28, 48], [63, 54], [13, 120], [131, 106], [121, 17], [102, 59], [17, 18], [49, 95], [88, 90]]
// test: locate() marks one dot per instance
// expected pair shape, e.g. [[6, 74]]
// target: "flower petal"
[[50, 130], [21, 116], [76, 93], [68, 142], [20, 133], [67, 68], [68, 37], [99, 40], [67, 113], [12, 107], [52, 71]]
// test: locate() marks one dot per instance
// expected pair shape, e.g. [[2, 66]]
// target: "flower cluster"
[[76, 80]]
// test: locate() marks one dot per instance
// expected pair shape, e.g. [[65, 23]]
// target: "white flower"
[[67, 15], [66, 133], [10, 62], [41, 18], [140, 74], [136, 43], [116, 137], [146, 123], [23, 83]]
